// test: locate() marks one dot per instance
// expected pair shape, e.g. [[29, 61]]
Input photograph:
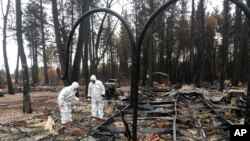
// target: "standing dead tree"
[[5, 20]]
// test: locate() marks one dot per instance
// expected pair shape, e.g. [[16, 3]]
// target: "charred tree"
[[17, 68], [191, 77], [46, 77], [5, 20], [247, 115], [225, 42], [82, 40], [26, 95], [58, 37]]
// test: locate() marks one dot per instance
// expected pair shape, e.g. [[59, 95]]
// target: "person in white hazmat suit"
[[65, 97], [96, 91]]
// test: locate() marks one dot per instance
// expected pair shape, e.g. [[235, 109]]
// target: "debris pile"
[[44, 122], [188, 113]]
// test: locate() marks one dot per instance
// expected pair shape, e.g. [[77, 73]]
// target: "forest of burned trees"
[[191, 41]]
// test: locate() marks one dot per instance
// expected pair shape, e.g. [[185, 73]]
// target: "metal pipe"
[[242, 6]]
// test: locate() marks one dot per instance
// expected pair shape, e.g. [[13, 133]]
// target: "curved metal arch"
[[107, 10], [238, 3]]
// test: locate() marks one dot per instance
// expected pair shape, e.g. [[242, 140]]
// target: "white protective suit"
[[96, 91], [65, 97]]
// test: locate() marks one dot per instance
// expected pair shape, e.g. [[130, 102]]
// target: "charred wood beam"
[[199, 125], [220, 116], [143, 118], [127, 132]]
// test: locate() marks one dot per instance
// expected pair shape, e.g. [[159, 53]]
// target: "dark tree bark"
[[35, 63], [94, 61], [5, 20], [82, 39], [46, 77], [162, 44], [95, 58], [170, 42], [71, 47], [237, 47], [59, 44], [201, 42], [151, 47], [225, 42], [247, 115], [26, 95], [123, 52], [17, 69], [145, 61], [191, 77], [243, 52], [85, 66]]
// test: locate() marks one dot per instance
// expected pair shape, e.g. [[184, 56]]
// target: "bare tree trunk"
[[46, 77], [224, 50], [98, 39], [91, 48], [145, 61], [71, 46], [10, 87], [82, 39], [151, 48], [17, 69], [35, 63], [201, 44], [26, 95], [85, 65], [59, 44], [191, 76], [247, 115], [151, 58], [237, 47], [170, 43]]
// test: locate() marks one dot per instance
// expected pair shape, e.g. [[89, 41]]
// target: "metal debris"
[[188, 113]]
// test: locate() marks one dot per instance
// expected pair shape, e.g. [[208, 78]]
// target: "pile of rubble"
[[44, 122], [188, 113]]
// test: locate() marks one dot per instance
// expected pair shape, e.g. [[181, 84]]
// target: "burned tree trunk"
[[225, 42], [10, 87], [61, 49], [17, 69], [46, 77], [82, 40], [247, 115], [26, 95], [191, 77]]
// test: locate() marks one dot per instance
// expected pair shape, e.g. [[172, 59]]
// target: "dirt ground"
[[44, 122]]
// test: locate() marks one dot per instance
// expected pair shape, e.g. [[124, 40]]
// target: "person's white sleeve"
[[102, 88], [61, 95], [89, 91], [76, 98], [66, 93]]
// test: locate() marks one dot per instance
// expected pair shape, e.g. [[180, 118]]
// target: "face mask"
[[93, 81]]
